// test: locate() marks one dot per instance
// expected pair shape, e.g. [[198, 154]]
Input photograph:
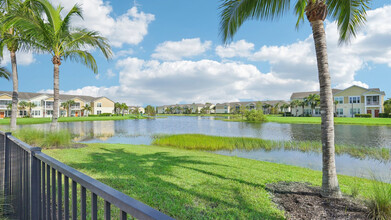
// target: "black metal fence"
[[38, 187]]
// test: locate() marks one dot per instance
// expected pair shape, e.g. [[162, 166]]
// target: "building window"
[[98, 104], [99, 112], [22, 113], [339, 111], [354, 99], [37, 103], [36, 112], [49, 112], [355, 111], [317, 111], [339, 99], [307, 111], [225, 107]]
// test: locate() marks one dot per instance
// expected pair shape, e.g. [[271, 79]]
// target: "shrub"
[[255, 116], [288, 114], [363, 115], [105, 114], [93, 115], [379, 203], [384, 115]]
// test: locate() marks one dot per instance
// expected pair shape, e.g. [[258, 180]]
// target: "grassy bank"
[[316, 120], [24, 121], [213, 143], [192, 184], [195, 115], [49, 139]]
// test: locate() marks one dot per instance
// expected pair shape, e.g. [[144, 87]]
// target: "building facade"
[[185, 108], [44, 103], [267, 106], [348, 102]]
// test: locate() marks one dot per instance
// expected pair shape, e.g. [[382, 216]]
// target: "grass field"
[[213, 143], [193, 184], [24, 121]]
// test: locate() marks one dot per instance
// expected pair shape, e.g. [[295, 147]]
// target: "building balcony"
[[75, 108], [49, 107], [372, 103], [3, 106]]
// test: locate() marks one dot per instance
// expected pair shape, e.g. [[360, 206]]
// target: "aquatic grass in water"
[[45, 139], [214, 143]]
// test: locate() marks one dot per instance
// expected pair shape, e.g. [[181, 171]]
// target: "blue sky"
[[170, 52]]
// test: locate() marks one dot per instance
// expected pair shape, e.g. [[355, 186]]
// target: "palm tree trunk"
[[15, 82], [56, 95], [330, 187]]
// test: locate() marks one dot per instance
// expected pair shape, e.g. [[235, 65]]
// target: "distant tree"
[[335, 107], [124, 107], [294, 104], [302, 104], [387, 106], [30, 105], [67, 106], [258, 106], [149, 110], [117, 108], [267, 107], [87, 108], [23, 105], [136, 111]]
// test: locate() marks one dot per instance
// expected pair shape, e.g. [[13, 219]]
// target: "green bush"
[[363, 115], [255, 115], [384, 115], [104, 114], [93, 115]]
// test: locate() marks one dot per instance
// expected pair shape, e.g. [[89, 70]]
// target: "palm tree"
[[87, 108], [294, 104], [22, 105], [349, 15], [302, 104], [335, 107], [54, 34], [4, 73], [67, 105], [117, 108], [30, 105], [313, 100], [124, 107]]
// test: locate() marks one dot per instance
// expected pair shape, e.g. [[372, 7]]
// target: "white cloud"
[[241, 48], [128, 28], [22, 58], [110, 73], [176, 50]]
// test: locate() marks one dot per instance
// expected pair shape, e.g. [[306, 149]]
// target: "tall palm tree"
[[87, 108], [349, 15], [124, 107], [54, 34], [117, 108], [302, 104], [335, 107], [313, 100]]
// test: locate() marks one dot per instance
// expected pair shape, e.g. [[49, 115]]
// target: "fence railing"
[[38, 186]]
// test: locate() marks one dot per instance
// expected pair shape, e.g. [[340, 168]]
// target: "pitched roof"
[[63, 97], [301, 95]]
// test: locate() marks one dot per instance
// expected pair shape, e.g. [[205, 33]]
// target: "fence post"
[[7, 168], [34, 186]]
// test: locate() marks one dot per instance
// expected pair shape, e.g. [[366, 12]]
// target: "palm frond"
[[300, 11], [83, 57], [350, 16], [4, 73], [235, 12]]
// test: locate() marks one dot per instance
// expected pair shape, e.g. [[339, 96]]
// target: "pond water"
[[142, 132]]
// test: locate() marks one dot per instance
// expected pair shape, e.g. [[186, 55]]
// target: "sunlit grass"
[[187, 184], [213, 143]]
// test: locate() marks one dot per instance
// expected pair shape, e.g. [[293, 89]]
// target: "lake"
[[142, 132]]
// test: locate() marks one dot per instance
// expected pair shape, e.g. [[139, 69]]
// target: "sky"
[[169, 52]]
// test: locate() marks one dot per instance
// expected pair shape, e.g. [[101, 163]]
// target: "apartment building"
[[185, 108], [348, 102], [231, 107], [44, 105]]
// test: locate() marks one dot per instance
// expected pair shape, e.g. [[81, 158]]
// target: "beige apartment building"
[[350, 101], [44, 105]]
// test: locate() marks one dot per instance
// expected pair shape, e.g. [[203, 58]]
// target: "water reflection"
[[142, 131]]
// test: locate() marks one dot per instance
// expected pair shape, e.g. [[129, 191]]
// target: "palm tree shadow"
[[150, 178]]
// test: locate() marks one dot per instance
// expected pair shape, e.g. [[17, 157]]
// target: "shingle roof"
[[63, 97], [301, 95]]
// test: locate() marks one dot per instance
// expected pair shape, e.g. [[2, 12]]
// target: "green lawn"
[[193, 184], [24, 121]]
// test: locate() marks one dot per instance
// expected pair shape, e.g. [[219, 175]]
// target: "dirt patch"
[[303, 201]]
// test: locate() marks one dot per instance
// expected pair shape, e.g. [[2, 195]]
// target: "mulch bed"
[[303, 201]]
